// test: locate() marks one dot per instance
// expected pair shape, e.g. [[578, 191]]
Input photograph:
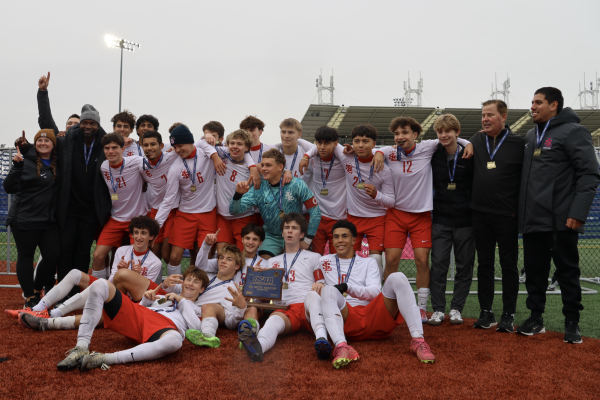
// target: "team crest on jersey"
[[349, 169], [548, 143], [276, 264], [185, 174], [289, 196], [393, 157], [327, 265]]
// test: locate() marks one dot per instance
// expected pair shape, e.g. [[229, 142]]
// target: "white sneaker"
[[455, 317], [436, 318], [523, 278]]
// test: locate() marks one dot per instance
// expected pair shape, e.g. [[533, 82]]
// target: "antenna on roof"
[[588, 98], [320, 89], [504, 92], [407, 100]]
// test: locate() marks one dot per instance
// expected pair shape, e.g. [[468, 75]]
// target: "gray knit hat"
[[89, 112]]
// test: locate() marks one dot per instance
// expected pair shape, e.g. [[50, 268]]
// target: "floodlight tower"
[[123, 44], [504, 92], [408, 100], [321, 89], [591, 94]]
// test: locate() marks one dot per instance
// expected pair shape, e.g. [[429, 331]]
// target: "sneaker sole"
[[323, 348], [24, 323], [198, 339], [503, 330], [342, 362], [485, 327], [531, 333], [457, 321], [434, 322], [427, 361], [573, 341], [250, 341]]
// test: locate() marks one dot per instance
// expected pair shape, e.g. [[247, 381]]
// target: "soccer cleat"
[[486, 320], [532, 326], [572, 334], [91, 361], [523, 278], [250, 341], [421, 349], [15, 313], [436, 318], [323, 348], [455, 317], [552, 286], [506, 323], [423, 316], [33, 322], [198, 338], [73, 359], [344, 355]]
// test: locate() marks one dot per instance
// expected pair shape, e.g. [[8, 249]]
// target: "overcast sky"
[[203, 61]]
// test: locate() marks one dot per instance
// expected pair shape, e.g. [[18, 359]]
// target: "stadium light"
[[123, 44]]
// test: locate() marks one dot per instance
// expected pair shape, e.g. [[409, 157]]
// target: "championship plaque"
[[266, 286]]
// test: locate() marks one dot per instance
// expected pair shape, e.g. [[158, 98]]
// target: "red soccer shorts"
[[297, 316], [373, 227], [113, 233], [161, 234], [168, 225], [137, 323], [231, 229], [370, 322], [323, 236], [400, 223], [192, 228]]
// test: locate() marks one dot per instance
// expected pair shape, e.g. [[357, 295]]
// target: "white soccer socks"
[[59, 291], [173, 269], [332, 301], [102, 274], [312, 305], [268, 334], [92, 312], [74, 303], [423, 297], [61, 323], [169, 343], [379, 259], [398, 288], [209, 326]]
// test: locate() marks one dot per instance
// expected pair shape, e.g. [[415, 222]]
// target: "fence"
[[589, 242]]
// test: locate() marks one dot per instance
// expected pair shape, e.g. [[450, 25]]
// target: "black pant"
[[539, 248], [76, 239], [27, 241], [488, 230]]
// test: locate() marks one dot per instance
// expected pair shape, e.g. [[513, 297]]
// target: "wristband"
[[308, 240]]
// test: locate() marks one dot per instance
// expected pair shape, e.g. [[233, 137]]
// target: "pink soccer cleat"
[[422, 350], [343, 354], [15, 313]]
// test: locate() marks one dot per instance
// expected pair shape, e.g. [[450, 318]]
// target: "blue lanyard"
[[87, 155], [228, 156], [192, 177], [260, 153], [251, 265], [212, 287], [358, 170], [112, 182], [400, 151], [147, 164], [287, 271], [280, 201], [167, 310], [293, 161], [140, 153], [487, 144], [537, 133], [143, 259], [323, 177], [454, 169], [337, 261]]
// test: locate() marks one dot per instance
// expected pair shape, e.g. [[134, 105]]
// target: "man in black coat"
[[558, 184]]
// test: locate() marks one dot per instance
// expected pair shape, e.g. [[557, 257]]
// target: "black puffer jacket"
[[34, 202], [451, 207], [560, 183]]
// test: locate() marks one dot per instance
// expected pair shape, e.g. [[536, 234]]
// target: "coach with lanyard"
[[558, 184], [498, 160]]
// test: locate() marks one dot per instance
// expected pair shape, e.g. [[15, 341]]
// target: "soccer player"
[[216, 130], [411, 214], [123, 124], [356, 308], [275, 200], [290, 131], [255, 127], [144, 124], [302, 279], [369, 194]]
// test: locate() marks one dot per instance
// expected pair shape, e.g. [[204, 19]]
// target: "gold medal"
[[324, 192], [491, 165], [361, 186], [241, 288], [193, 188], [285, 286], [114, 197], [537, 152], [162, 301], [452, 186], [281, 214], [345, 294]]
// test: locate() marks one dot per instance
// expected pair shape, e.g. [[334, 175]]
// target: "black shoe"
[[486, 320], [572, 334], [32, 302], [532, 326], [506, 323]]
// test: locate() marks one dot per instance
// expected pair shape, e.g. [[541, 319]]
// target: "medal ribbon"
[[323, 177], [280, 201], [217, 285], [400, 151], [454, 168], [537, 133], [192, 176], [260, 153], [293, 161], [167, 310], [112, 182], [143, 259], [147, 164], [87, 155], [337, 261], [487, 144], [251, 265], [358, 170], [287, 271], [140, 152], [227, 155]]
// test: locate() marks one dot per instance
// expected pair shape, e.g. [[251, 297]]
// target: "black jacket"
[[45, 120], [560, 183], [34, 202], [451, 207]]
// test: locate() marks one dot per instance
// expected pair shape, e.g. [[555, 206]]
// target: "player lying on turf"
[[354, 307], [222, 303], [157, 326], [143, 265], [302, 275]]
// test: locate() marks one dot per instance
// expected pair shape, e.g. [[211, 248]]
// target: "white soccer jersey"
[[185, 316], [302, 274], [292, 165], [256, 152], [226, 184], [127, 180], [134, 149], [179, 184], [212, 266], [156, 176], [360, 204], [364, 283], [151, 267], [333, 205]]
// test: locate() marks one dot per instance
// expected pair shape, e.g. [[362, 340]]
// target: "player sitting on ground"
[[217, 308], [302, 276], [157, 327], [354, 307]]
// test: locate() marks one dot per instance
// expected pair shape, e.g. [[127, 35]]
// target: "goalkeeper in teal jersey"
[[273, 200]]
